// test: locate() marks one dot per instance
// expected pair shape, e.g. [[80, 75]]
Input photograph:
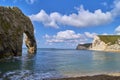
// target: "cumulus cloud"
[[68, 37], [64, 36], [82, 18], [68, 34], [117, 30], [43, 17]]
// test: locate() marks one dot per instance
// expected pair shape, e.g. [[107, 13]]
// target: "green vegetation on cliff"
[[109, 39]]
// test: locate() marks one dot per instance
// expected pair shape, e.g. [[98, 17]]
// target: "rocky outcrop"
[[13, 23], [97, 44], [84, 46], [106, 43]]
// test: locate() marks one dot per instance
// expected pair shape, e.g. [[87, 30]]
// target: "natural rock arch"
[[13, 23]]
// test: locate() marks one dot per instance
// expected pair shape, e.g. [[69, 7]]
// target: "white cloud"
[[117, 30], [68, 34], [81, 19], [43, 17], [69, 37]]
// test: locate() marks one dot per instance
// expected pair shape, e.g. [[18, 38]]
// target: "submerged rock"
[[13, 23]]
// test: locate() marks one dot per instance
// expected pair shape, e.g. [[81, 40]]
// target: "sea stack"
[[13, 23]]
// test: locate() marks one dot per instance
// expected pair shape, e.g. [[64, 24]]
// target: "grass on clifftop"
[[109, 39]]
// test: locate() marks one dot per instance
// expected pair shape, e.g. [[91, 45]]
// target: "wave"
[[29, 75]]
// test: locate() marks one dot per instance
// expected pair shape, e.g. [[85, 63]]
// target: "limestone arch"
[[13, 23]]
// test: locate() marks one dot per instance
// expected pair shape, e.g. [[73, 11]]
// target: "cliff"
[[13, 23], [106, 43], [84, 46]]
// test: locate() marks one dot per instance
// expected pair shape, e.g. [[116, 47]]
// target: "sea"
[[59, 63]]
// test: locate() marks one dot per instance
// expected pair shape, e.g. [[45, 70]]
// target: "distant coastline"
[[109, 43]]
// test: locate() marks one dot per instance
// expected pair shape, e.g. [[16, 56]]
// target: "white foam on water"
[[28, 75]]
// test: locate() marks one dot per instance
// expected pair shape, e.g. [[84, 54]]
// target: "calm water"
[[50, 63]]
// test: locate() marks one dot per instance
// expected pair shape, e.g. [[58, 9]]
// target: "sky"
[[67, 23]]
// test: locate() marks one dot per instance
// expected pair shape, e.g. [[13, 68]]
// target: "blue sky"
[[66, 23]]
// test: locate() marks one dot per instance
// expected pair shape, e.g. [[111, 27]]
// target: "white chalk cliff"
[[100, 45]]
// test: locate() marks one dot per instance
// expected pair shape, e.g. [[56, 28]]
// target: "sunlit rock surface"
[[106, 43]]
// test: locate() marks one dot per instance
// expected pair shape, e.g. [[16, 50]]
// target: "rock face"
[[106, 43], [13, 23], [98, 44], [84, 46]]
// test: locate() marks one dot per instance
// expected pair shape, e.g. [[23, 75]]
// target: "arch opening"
[[30, 42]]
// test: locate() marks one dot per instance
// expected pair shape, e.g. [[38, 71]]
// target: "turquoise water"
[[55, 63]]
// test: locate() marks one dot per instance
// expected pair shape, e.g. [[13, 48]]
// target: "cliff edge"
[[102, 43], [106, 43], [13, 23]]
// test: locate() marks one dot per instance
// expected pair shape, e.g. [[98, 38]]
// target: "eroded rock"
[[13, 23]]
